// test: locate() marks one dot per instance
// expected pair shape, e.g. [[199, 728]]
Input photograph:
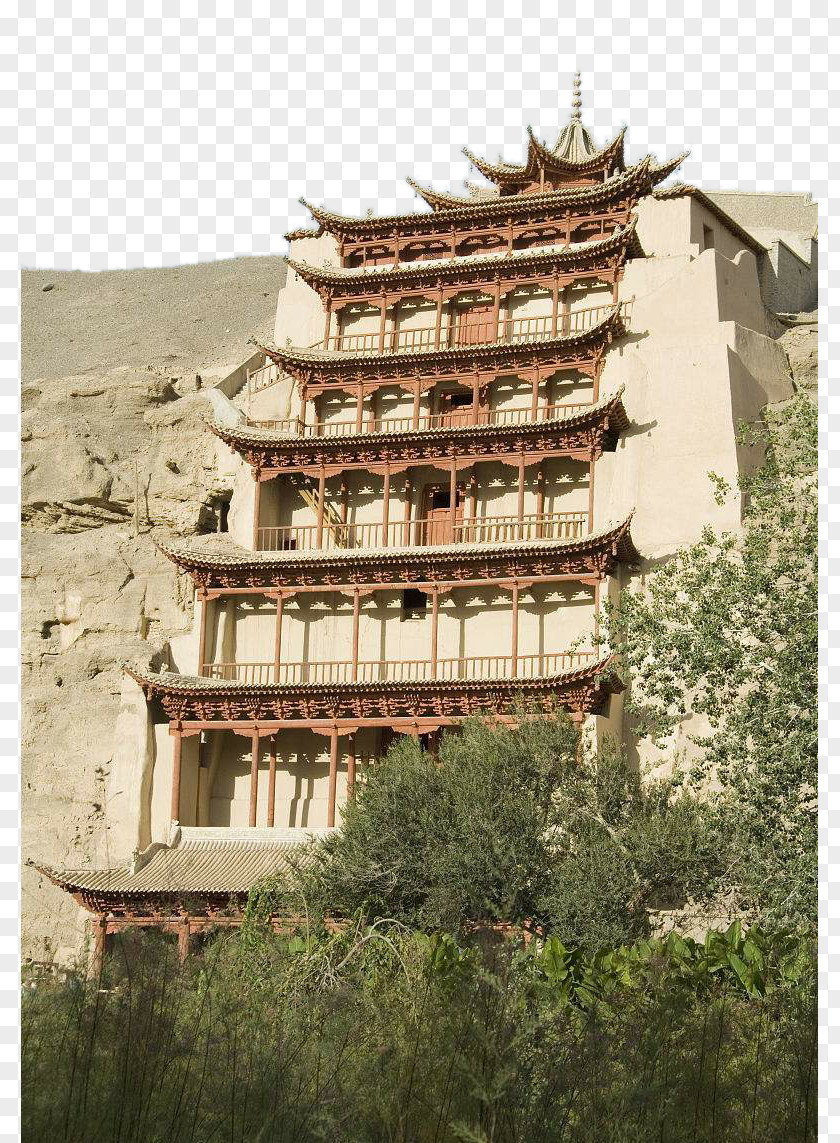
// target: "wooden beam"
[[333, 779]]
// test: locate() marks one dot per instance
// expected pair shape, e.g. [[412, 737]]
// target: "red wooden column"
[[382, 312], [343, 500], [201, 599], [175, 804], [183, 939], [355, 640], [520, 495], [434, 656], [415, 412], [540, 499], [475, 394], [360, 404], [471, 516], [99, 927], [497, 302], [302, 413], [255, 776], [257, 487], [591, 491], [351, 766], [453, 497], [333, 776], [386, 504], [406, 510], [272, 778], [327, 322], [278, 635], [514, 630], [535, 396], [322, 492], [438, 318], [555, 289]]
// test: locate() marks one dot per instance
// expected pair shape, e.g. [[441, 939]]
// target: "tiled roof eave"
[[635, 181], [172, 683], [616, 535]]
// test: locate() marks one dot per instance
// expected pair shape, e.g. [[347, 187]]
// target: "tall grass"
[[380, 1034]]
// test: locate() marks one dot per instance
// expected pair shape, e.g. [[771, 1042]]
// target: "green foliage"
[[507, 825], [728, 630], [380, 1033]]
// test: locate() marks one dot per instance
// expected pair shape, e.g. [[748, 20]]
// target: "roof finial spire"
[[576, 102]]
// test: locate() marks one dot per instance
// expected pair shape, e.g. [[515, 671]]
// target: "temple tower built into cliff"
[[466, 412]]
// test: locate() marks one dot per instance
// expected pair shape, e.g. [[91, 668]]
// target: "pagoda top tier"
[[574, 160]]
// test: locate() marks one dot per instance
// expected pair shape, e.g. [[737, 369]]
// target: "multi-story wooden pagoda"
[[422, 541]]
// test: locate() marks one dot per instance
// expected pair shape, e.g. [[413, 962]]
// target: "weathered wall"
[[112, 428]]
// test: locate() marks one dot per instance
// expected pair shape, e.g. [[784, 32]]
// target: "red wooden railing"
[[424, 532], [400, 671], [513, 416], [513, 330]]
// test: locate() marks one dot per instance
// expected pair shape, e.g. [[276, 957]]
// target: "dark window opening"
[[414, 603], [708, 238]]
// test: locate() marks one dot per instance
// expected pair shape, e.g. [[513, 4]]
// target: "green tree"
[[728, 630]]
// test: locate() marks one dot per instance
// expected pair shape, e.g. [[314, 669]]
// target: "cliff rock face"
[[117, 368]]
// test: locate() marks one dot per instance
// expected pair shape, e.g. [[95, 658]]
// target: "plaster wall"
[[300, 315]]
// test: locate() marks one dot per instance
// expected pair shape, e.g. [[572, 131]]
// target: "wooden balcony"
[[431, 530], [513, 331], [393, 345], [337, 672], [450, 420]]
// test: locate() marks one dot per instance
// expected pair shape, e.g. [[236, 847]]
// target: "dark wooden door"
[[437, 516], [474, 326]]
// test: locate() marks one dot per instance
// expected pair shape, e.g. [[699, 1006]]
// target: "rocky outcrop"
[[117, 380]]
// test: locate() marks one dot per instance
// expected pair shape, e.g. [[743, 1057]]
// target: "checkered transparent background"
[[176, 136]]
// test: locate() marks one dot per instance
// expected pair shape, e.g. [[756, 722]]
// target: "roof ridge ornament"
[[576, 100]]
